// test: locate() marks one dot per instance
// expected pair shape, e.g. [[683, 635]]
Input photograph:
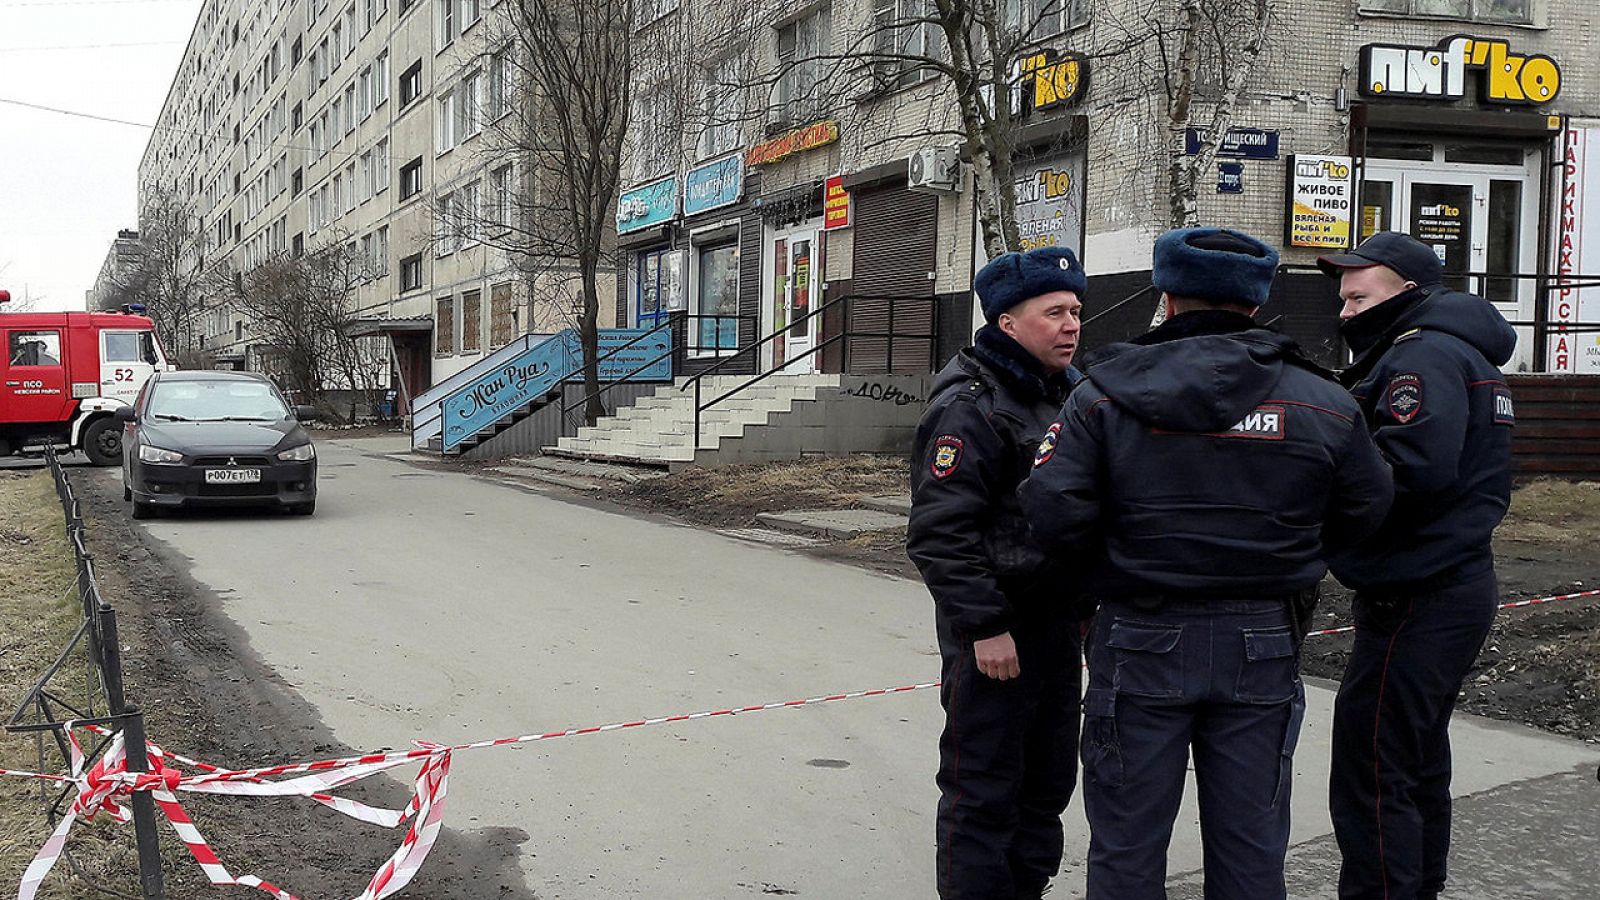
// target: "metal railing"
[[675, 348], [97, 635], [843, 339]]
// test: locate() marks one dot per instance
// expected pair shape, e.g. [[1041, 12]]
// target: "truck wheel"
[[102, 442]]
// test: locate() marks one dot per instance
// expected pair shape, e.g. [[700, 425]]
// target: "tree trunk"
[[589, 339]]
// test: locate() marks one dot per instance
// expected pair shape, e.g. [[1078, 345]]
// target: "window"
[[1479, 10], [653, 133], [350, 111], [337, 54], [719, 98], [444, 327], [380, 252], [904, 31], [411, 178], [366, 176], [380, 80], [297, 182], [350, 33], [467, 110], [447, 21], [296, 51], [502, 316], [446, 237], [350, 187], [298, 117], [718, 295], [411, 83], [34, 348], [338, 196], [411, 272], [470, 10], [380, 167], [499, 85], [500, 187], [447, 122], [316, 135], [364, 93], [800, 46], [1037, 19], [471, 322], [371, 9], [467, 218]]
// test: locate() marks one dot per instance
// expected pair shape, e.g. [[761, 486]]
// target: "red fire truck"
[[64, 374]]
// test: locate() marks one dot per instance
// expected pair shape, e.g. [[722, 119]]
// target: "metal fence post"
[[144, 810]]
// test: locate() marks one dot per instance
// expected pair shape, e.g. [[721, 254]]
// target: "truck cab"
[[63, 375]]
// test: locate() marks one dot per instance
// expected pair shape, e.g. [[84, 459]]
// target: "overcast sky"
[[66, 183]]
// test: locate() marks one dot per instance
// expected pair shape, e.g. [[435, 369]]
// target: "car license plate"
[[233, 476]]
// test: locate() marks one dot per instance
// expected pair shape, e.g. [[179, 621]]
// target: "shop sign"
[[1321, 196], [1578, 254], [1439, 218], [655, 203], [715, 184], [1440, 73], [1230, 178], [835, 204], [817, 134], [1050, 79], [1244, 143], [1050, 202]]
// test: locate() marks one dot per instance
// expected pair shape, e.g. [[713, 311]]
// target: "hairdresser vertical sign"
[[1575, 299]]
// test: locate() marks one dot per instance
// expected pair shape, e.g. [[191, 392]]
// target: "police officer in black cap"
[[1218, 467], [1427, 377], [1007, 632]]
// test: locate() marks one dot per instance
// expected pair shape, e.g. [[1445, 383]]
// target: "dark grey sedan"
[[202, 439]]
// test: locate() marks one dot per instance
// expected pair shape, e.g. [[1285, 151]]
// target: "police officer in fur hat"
[[1007, 632], [1219, 467]]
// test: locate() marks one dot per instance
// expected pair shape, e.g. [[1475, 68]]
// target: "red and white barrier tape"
[[104, 786]]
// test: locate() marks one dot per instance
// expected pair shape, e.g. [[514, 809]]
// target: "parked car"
[[203, 438]]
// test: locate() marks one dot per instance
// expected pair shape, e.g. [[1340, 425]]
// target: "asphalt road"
[[429, 604]]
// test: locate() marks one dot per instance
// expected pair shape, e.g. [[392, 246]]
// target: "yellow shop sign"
[[1440, 73]]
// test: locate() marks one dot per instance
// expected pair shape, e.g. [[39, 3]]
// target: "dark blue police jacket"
[[1213, 460], [1428, 380], [990, 408]]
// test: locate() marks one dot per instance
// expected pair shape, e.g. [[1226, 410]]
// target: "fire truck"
[[64, 374]]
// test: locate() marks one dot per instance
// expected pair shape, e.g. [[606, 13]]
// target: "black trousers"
[[1390, 786], [1008, 762]]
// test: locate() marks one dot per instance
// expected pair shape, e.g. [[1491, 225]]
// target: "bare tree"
[[301, 309], [558, 106], [171, 279]]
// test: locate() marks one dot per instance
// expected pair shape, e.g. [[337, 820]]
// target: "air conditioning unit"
[[934, 170]]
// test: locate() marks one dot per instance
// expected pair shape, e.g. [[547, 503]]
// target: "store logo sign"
[[1050, 79], [713, 185], [1440, 73], [817, 134], [651, 204]]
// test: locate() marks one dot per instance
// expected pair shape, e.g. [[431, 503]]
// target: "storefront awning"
[[380, 327]]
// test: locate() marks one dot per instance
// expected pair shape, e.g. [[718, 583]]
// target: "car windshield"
[[216, 401]]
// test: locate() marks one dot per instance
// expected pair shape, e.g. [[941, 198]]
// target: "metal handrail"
[[568, 407], [695, 380]]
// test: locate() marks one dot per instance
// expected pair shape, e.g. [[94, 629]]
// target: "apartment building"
[[293, 126], [121, 262], [766, 178]]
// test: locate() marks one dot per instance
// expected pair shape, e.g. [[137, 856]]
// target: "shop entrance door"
[[1482, 222], [796, 278]]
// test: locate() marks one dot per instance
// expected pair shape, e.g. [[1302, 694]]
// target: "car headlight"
[[159, 456], [302, 453]]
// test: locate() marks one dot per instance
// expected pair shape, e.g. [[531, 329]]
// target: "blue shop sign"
[[1244, 143], [714, 184], [651, 204]]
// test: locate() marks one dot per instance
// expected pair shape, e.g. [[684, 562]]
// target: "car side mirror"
[[125, 414], [305, 413]]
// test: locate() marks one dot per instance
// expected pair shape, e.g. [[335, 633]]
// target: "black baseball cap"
[[1410, 258]]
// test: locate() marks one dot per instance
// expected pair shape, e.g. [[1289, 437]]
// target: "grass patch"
[[1548, 511], [733, 495], [39, 613]]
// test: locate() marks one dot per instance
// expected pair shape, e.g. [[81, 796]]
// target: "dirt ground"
[[206, 695], [1540, 666]]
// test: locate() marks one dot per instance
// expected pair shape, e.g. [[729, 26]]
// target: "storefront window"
[[718, 296], [660, 286]]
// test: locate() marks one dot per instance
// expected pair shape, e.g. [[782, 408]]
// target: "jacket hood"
[[1470, 318], [1203, 383]]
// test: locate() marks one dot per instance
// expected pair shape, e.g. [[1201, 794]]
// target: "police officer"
[[1007, 635], [1218, 467], [1426, 376]]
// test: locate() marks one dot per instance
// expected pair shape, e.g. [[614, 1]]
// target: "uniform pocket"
[[1267, 671], [1147, 664], [1291, 740], [1102, 750]]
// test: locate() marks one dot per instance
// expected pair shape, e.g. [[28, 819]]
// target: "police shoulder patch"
[[1404, 397], [1047, 446], [946, 455], [1505, 412]]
